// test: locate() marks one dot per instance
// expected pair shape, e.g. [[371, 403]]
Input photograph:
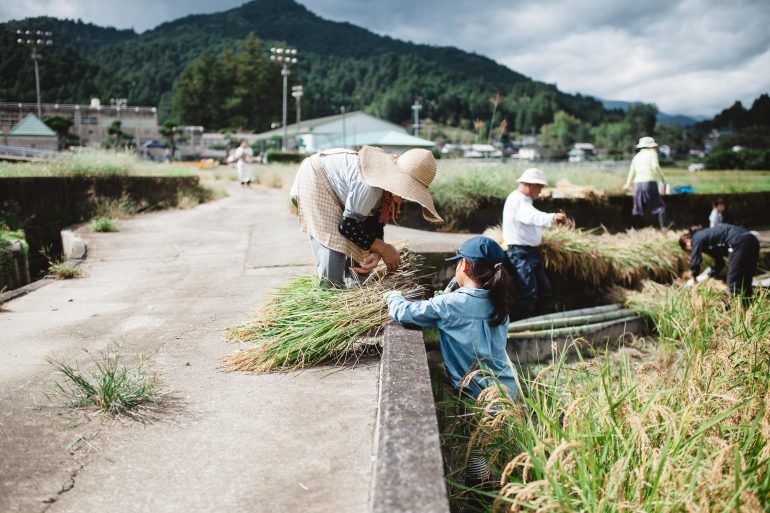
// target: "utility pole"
[[416, 108], [285, 56], [34, 39], [297, 92]]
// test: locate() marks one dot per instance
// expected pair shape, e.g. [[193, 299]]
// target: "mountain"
[[340, 64], [662, 117]]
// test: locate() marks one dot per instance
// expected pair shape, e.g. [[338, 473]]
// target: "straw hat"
[[646, 142], [407, 176], [533, 175]]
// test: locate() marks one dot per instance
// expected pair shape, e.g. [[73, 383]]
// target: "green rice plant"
[[111, 387], [686, 429], [103, 224], [303, 324]]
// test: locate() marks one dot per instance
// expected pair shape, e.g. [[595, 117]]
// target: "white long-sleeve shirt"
[[522, 223]]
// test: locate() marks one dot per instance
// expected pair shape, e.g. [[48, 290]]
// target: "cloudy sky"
[[687, 56]]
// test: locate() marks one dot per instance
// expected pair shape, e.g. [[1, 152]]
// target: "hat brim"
[[379, 169], [647, 145], [533, 181], [453, 259]]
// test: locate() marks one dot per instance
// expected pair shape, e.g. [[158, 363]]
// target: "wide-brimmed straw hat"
[[533, 175], [407, 176], [646, 142]]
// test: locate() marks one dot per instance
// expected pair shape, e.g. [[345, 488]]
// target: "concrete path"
[[167, 285]]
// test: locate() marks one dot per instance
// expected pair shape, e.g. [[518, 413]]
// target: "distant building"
[[581, 152], [530, 153], [30, 132], [349, 130], [90, 122]]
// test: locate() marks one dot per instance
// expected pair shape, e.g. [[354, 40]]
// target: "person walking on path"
[[345, 198], [243, 156], [718, 242], [522, 233], [645, 173]]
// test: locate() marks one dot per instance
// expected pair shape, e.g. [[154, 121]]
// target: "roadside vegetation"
[[686, 427], [103, 224], [110, 387], [60, 268]]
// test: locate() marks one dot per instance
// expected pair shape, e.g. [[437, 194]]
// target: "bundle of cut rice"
[[303, 324]]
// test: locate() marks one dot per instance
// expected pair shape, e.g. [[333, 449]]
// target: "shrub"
[[742, 159], [278, 156], [103, 224]]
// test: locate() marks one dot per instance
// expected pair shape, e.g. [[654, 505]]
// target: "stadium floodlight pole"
[[416, 108], [297, 92], [285, 56], [35, 39]]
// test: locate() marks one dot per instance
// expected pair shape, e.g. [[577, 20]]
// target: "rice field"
[[682, 425]]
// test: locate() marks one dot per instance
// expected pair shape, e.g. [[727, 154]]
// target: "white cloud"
[[687, 56]]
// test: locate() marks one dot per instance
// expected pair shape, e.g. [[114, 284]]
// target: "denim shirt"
[[467, 339]]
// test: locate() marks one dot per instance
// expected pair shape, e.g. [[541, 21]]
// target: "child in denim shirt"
[[472, 320]]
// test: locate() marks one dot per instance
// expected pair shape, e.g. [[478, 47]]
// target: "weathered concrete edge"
[[408, 472]]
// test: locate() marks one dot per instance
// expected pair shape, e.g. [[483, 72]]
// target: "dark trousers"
[[533, 290], [743, 264]]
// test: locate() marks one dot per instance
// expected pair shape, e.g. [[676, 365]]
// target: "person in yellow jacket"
[[644, 174]]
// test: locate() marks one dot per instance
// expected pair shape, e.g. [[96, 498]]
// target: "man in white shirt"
[[243, 156], [523, 232]]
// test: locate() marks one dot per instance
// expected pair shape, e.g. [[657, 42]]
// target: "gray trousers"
[[333, 266]]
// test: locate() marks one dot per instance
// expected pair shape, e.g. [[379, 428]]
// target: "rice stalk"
[[303, 324], [688, 430], [602, 259]]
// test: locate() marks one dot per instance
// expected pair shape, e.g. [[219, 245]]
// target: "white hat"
[[407, 176], [533, 175], [646, 142]]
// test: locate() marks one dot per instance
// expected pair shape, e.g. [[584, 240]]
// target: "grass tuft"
[[110, 388], [103, 224], [303, 324]]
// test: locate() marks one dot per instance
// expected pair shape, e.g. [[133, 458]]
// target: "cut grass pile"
[[687, 430], [622, 258], [111, 387], [103, 224], [303, 324]]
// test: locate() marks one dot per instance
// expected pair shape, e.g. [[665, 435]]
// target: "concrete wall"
[[751, 209], [45, 205]]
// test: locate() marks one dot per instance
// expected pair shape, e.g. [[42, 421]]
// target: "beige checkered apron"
[[320, 210]]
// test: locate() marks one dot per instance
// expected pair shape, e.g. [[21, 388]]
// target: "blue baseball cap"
[[480, 249]]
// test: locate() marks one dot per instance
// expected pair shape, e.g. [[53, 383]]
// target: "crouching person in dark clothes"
[[523, 232], [718, 242]]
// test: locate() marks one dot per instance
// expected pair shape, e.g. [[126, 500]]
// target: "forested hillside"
[[340, 64]]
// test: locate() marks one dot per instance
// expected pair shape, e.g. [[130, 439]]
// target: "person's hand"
[[388, 293], [388, 253], [560, 218], [369, 262]]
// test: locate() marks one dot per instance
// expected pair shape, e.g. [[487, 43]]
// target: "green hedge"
[[742, 159], [278, 156]]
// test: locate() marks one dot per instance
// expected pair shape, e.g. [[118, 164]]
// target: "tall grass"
[[303, 324], [686, 430], [94, 162]]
